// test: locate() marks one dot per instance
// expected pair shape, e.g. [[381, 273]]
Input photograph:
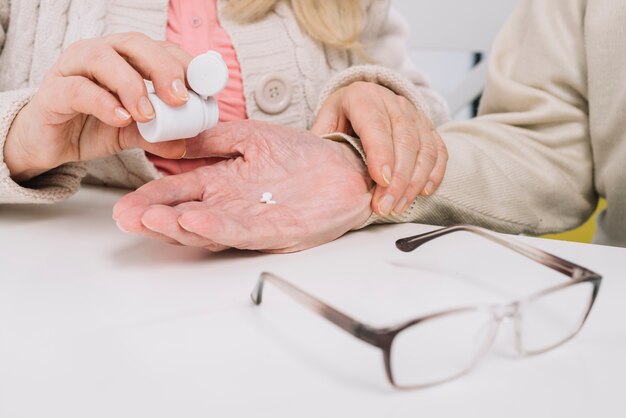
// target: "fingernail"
[[184, 153], [121, 113], [146, 223], [179, 89], [120, 227], [385, 204], [145, 107], [400, 206], [387, 174], [428, 189]]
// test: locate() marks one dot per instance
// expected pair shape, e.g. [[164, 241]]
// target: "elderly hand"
[[405, 154], [321, 189], [85, 106]]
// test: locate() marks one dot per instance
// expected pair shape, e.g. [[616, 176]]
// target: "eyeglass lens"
[[553, 318], [444, 347]]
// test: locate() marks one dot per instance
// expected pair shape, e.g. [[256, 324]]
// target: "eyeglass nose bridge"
[[513, 312], [508, 311]]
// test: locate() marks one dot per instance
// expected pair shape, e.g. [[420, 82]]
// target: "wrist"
[[20, 162], [353, 155]]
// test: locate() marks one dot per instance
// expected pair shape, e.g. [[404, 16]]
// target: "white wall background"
[[445, 33], [445, 70]]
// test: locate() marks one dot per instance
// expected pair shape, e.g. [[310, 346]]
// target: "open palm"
[[321, 189]]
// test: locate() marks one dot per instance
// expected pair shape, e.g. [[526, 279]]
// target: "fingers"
[[327, 120], [152, 235], [426, 151], [127, 214], [430, 164], [120, 63], [164, 221], [438, 172], [170, 191], [105, 66], [137, 213], [331, 117], [426, 175], [226, 230], [376, 136], [249, 227], [425, 178], [225, 139], [71, 95], [406, 145], [274, 229], [156, 63]]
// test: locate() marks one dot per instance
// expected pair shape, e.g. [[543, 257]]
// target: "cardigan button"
[[273, 93], [196, 21]]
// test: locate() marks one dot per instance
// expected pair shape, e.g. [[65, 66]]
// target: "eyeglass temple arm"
[[551, 261], [343, 321]]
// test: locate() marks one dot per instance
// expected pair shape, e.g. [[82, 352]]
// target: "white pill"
[[266, 197]]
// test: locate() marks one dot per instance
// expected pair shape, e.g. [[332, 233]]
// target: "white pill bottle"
[[207, 75]]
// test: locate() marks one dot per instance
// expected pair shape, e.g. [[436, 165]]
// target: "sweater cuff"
[[50, 187], [383, 76]]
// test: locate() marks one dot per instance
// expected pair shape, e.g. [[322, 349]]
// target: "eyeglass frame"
[[383, 337]]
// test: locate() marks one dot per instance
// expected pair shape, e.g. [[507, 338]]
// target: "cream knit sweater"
[[551, 135], [34, 32]]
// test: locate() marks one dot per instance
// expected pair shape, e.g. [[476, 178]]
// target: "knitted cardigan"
[[33, 33]]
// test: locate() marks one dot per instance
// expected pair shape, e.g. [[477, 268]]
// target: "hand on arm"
[[321, 188], [85, 106], [405, 154]]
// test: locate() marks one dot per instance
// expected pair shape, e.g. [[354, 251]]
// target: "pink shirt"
[[194, 26]]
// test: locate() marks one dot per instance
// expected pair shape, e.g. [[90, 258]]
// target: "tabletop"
[[98, 323]]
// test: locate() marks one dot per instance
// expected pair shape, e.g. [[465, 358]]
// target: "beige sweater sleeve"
[[50, 187], [524, 165], [385, 43]]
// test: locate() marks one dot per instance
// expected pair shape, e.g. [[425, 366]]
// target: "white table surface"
[[97, 323]]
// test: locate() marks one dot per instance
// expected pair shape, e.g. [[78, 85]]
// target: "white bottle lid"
[[207, 74]]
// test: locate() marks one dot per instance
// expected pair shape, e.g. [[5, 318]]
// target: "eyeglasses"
[[442, 346]]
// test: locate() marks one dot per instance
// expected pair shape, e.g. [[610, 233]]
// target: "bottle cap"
[[207, 74]]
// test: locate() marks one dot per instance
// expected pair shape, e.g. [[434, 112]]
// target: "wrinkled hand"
[[321, 188], [405, 154], [87, 103]]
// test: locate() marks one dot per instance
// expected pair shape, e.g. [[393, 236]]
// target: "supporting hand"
[[321, 188], [405, 154]]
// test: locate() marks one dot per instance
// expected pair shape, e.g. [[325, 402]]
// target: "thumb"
[[329, 118], [227, 139]]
